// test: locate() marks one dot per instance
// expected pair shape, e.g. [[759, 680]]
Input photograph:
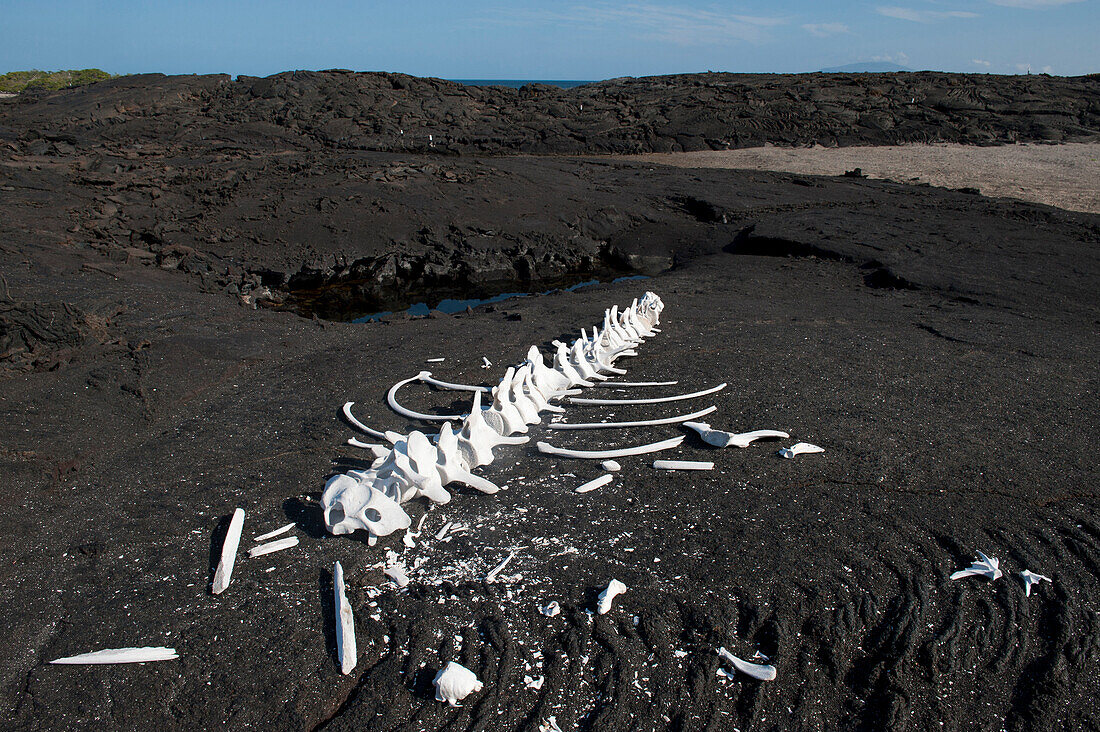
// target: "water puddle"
[[452, 306]]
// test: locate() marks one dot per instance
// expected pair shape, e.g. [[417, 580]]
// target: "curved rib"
[[356, 423], [412, 414], [605, 454], [658, 400], [365, 445], [427, 378], [637, 383], [641, 423]]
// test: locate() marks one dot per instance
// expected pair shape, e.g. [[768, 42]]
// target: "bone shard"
[[984, 567], [611, 466], [120, 655], [454, 683], [718, 438], [656, 400], [491, 577], [682, 465], [550, 609], [273, 546], [609, 454], [345, 624], [276, 532], [1030, 578], [763, 672], [800, 448], [614, 589], [594, 484], [224, 572], [637, 423]]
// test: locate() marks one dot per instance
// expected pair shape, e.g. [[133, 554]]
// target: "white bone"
[[550, 382], [534, 683], [637, 383], [657, 400], [427, 378], [682, 465], [800, 448], [610, 466], [350, 504], [443, 532], [613, 590], [491, 577], [486, 363], [378, 450], [120, 655], [411, 414], [452, 468], [718, 438], [606, 454], [550, 724], [760, 671], [477, 439], [1030, 578], [397, 574], [594, 484], [436, 360], [351, 418], [508, 418], [565, 367], [984, 567], [346, 651], [551, 609], [639, 423], [454, 683], [276, 532], [224, 573], [271, 547]]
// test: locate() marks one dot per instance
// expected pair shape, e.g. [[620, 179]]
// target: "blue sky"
[[588, 39]]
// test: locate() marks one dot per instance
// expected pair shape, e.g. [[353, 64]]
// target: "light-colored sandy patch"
[[1066, 176]]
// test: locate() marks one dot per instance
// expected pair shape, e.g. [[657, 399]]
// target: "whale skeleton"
[[416, 466]]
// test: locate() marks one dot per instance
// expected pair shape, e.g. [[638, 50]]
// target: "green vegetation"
[[17, 81]]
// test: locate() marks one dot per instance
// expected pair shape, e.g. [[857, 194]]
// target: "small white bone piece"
[[614, 589], [800, 448], [682, 465], [454, 683], [718, 438], [658, 400], [985, 567], [443, 532], [276, 532], [760, 671], [594, 484], [549, 449], [638, 423], [436, 360], [121, 655], [534, 683], [551, 609], [229, 552], [638, 383], [611, 466], [550, 724], [351, 418], [345, 624], [1030, 578], [274, 546], [397, 574], [499, 568], [486, 363]]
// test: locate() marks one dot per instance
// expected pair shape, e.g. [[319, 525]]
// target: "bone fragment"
[[229, 552], [611, 466], [594, 484], [491, 577], [120, 655], [534, 682], [443, 532], [984, 567], [718, 438], [614, 589], [436, 360], [609, 454], [276, 532], [551, 609], [486, 363], [397, 574], [639, 423], [657, 400], [682, 465], [345, 624], [271, 547], [454, 683], [351, 418], [550, 724], [760, 671], [638, 383], [800, 448], [1030, 578]]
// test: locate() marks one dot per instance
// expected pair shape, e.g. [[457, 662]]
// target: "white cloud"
[[823, 30], [1033, 4], [665, 23], [980, 62], [921, 16]]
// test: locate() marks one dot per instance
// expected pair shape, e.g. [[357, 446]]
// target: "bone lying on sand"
[[224, 572], [120, 655]]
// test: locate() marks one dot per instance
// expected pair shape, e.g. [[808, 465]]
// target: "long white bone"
[[605, 454], [120, 655], [614, 589], [411, 414], [718, 438], [639, 423], [682, 465], [985, 567], [228, 558], [655, 400], [345, 624], [763, 672], [360, 425], [427, 378], [800, 448], [637, 383]]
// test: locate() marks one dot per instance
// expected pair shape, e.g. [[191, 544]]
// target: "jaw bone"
[[718, 438]]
